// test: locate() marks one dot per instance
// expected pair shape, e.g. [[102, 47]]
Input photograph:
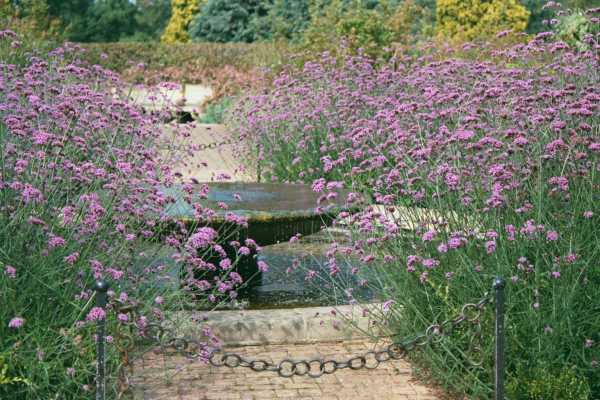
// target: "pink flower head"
[[72, 258], [202, 238], [387, 305], [430, 263], [318, 185], [96, 314], [225, 264], [429, 235], [551, 236], [16, 323], [55, 241], [10, 271], [262, 266]]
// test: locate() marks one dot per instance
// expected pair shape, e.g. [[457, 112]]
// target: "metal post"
[[101, 287], [498, 286]]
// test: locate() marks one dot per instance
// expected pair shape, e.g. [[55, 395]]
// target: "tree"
[[182, 13], [471, 19], [151, 18], [104, 21], [30, 16], [285, 19], [229, 21]]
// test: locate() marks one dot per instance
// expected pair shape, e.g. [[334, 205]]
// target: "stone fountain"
[[275, 212]]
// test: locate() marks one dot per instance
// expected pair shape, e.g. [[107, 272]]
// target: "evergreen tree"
[[229, 21], [182, 13], [104, 21], [151, 18]]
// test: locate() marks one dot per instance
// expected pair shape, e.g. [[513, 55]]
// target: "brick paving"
[[159, 377]]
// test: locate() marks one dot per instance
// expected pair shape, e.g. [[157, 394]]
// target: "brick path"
[[157, 377]]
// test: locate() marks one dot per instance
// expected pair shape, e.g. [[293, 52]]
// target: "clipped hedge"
[[155, 56]]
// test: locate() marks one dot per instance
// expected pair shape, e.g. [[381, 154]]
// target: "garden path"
[[208, 164], [172, 377]]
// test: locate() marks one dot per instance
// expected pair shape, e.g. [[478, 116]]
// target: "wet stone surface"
[[285, 284], [299, 275]]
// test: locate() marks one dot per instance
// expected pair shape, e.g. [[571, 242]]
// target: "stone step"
[[284, 326]]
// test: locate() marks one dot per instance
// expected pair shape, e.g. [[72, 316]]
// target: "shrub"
[[228, 21], [332, 22], [215, 112], [544, 384], [470, 19], [182, 13], [186, 62], [476, 169], [411, 22], [104, 21], [287, 19], [577, 29]]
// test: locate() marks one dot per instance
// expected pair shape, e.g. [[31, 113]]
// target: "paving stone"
[[199, 381]]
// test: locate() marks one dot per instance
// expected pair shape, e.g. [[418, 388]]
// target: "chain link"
[[316, 367], [202, 146]]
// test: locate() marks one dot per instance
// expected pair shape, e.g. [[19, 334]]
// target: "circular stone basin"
[[274, 211]]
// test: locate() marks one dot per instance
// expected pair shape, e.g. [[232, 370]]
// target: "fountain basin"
[[274, 213]]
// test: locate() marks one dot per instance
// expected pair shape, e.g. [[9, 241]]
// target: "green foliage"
[[104, 21], [412, 21], [182, 13], [229, 21], [30, 17], [537, 15], [465, 20], [546, 384], [332, 21], [151, 19], [6, 379], [574, 27], [214, 112], [156, 56], [287, 18]]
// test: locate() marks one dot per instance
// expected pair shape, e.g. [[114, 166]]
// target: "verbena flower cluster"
[[82, 185], [466, 169]]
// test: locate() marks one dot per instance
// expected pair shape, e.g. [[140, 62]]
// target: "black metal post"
[[498, 286], [101, 287]]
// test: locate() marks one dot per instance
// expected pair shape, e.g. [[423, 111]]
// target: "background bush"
[[577, 29], [182, 13], [228, 21], [470, 19]]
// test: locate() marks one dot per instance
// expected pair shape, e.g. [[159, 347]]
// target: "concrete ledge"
[[282, 326]]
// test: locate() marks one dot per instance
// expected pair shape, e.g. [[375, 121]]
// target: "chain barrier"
[[171, 344], [201, 146]]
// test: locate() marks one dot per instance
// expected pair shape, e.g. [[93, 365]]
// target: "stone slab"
[[189, 97], [284, 326]]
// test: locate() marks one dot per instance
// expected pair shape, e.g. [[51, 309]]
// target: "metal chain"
[[202, 146], [317, 367]]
